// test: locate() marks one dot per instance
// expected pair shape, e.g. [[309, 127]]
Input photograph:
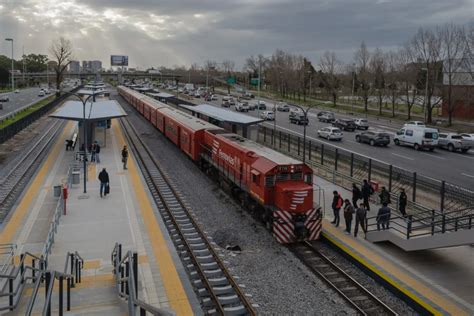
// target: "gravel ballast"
[[277, 281]]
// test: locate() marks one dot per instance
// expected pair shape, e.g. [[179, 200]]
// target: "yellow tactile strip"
[[177, 297], [351, 247]]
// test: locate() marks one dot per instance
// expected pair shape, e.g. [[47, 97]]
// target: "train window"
[[255, 177], [269, 181], [308, 178], [282, 176], [296, 176]]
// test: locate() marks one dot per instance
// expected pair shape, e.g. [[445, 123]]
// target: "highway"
[[17, 100], [455, 168]]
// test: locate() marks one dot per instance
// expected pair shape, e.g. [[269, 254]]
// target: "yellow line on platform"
[[19, 213], [375, 261], [176, 295], [91, 172]]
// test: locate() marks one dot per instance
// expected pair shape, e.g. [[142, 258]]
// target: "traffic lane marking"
[[401, 156], [467, 175], [434, 156]]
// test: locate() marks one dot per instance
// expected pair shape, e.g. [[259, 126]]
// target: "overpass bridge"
[[89, 75]]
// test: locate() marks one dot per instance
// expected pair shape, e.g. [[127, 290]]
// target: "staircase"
[[429, 230]]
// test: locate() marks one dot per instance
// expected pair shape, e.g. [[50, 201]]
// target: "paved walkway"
[[442, 277]]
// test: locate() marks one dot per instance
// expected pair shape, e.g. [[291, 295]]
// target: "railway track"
[[353, 292], [13, 183], [218, 291]]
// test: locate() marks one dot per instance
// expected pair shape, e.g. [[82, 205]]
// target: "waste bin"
[[76, 177], [57, 190]]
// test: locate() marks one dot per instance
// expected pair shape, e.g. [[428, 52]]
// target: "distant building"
[[462, 92], [95, 65], [74, 66]]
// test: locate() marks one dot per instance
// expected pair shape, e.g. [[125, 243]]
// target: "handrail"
[[127, 282]]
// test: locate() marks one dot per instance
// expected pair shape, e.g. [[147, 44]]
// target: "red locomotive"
[[276, 188]]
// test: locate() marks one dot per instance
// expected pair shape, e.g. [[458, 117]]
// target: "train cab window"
[[255, 177], [269, 181], [308, 178]]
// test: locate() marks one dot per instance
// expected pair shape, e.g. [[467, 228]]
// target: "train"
[[275, 188]]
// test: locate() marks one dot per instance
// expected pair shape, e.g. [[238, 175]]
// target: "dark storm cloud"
[[180, 32]]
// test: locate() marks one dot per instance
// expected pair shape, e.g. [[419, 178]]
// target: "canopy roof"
[[94, 111], [221, 114]]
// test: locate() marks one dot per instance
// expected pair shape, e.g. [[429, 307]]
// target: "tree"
[[378, 69], [453, 52], [362, 58], [330, 67], [393, 78], [409, 73], [61, 49], [35, 62]]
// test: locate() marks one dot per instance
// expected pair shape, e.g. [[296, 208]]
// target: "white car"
[[268, 115], [330, 133], [4, 98], [414, 123], [242, 106], [214, 97], [197, 94], [41, 93], [468, 136], [17, 91], [453, 142], [361, 124]]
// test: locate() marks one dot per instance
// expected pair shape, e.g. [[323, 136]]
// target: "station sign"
[[118, 60]]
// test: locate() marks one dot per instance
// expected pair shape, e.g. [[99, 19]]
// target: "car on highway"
[[249, 95], [374, 138], [213, 97], [225, 104], [418, 137], [283, 107], [454, 142], [268, 115], [330, 133], [345, 124], [197, 94], [261, 105], [327, 117], [361, 124], [468, 136], [41, 93], [17, 91], [242, 106], [414, 123], [4, 98], [297, 116]]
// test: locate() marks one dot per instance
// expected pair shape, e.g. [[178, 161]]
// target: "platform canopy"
[[91, 92], [95, 111], [222, 115]]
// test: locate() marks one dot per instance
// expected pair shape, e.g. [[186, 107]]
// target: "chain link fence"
[[344, 168]]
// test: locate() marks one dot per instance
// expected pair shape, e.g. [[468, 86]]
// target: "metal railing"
[[53, 228], [426, 224], [126, 277], [425, 193], [7, 253]]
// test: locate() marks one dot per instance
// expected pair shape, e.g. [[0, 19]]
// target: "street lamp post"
[[305, 112], [12, 74]]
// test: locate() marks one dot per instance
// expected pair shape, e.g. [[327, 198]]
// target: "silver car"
[[361, 124], [454, 142], [330, 133]]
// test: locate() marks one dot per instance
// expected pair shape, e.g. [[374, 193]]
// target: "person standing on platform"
[[361, 219], [383, 217], [367, 191], [104, 182], [336, 207], [124, 157], [348, 213], [97, 152], [93, 147], [384, 196], [402, 203], [356, 194]]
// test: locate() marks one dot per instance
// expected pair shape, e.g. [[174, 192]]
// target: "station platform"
[[438, 280], [93, 225]]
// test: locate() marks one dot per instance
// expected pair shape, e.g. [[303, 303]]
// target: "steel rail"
[[165, 194], [361, 299]]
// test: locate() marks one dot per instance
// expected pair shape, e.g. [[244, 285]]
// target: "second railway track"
[[352, 291], [218, 291]]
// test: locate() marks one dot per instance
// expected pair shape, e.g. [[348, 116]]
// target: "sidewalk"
[[442, 276]]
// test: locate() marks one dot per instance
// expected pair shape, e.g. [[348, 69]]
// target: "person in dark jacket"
[[97, 152], [348, 214], [402, 202], [384, 196], [336, 207], [104, 182], [361, 219], [124, 157], [383, 217], [356, 194], [367, 191]]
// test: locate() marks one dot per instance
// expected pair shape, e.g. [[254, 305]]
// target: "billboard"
[[118, 60]]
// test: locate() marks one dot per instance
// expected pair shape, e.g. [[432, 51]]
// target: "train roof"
[[188, 120], [261, 150]]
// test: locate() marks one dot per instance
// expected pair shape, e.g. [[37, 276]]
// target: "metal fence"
[[12, 129], [345, 167]]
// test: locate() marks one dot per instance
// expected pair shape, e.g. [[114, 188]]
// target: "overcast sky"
[[179, 32]]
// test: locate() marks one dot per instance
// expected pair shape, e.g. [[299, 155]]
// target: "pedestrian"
[[93, 147], [348, 213], [361, 219], [384, 196], [68, 144], [104, 182], [356, 195], [124, 157], [402, 202], [97, 152], [367, 191], [383, 217], [336, 207]]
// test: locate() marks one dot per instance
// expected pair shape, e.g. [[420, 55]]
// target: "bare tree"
[[378, 70], [393, 77], [362, 58], [330, 68], [61, 49]]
